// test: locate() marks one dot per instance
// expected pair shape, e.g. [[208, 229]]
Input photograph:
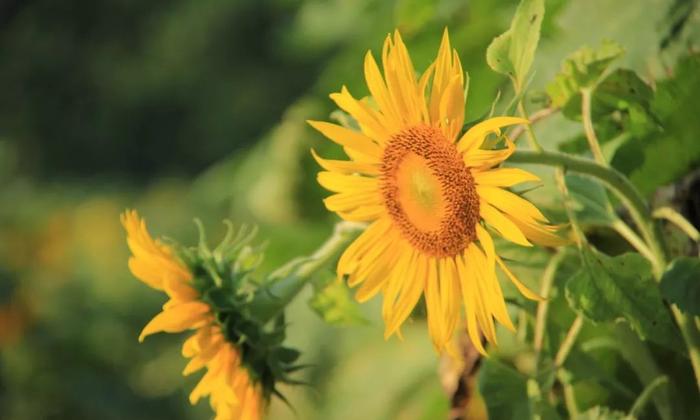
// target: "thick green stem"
[[295, 275], [617, 183]]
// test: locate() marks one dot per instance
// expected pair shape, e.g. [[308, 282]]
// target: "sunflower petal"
[[472, 139], [348, 138], [505, 226], [524, 290], [503, 177], [346, 167]]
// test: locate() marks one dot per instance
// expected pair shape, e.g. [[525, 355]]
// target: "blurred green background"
[[186, 109]]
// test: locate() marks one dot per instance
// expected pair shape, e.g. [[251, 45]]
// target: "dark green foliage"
[[610, 288], [680, 284]]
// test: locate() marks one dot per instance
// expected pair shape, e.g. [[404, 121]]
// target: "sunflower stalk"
[[593, 143], [290, 279]]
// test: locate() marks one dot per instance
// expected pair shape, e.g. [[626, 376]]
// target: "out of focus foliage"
[[197, 108]]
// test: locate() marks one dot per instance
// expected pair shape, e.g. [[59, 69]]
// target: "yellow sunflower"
[[432, 196], [231, 392]]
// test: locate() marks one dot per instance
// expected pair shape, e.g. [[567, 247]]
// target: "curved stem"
[[534, 118], [678, 220], [631, 236], [646, 395], [292, 277], [568, 342], [543, 307], [691, 335], [617, 183], [530, 133], [586, 95]]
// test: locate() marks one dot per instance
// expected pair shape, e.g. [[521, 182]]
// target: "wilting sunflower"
[[232, 393], [432, 195]]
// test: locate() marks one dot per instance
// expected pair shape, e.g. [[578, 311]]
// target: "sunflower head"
[[433, 194], [213, 293]]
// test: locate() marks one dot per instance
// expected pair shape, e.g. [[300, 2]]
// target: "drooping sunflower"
[[232, 393], [433, 197]]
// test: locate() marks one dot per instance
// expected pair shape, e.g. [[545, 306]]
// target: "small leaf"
[[512, 52], [663, 156], [582, 69], [609, 288], [497, 54], [590, 200], [335, 306], [680, 284]]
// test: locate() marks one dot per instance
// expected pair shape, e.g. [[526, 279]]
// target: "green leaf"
[[497, 54], [663, 156], [681, 284], [611, 288], [603, 413], [582, 69], [334, 305], [510, 395], [590, 201], [512, 52], [504, 391]]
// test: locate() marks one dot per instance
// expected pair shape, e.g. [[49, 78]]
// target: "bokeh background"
[[197, 108]]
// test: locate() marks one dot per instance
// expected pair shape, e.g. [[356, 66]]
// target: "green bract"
[[225, 280]]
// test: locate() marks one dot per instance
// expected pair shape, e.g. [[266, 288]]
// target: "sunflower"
[[433, 197], [232, 393]]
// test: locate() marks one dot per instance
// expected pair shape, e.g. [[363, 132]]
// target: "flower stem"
[[646, 395], [534, 144], [586, 95], [568, 342], [631, 236], [617, 183], [292, 277], [543, 307], [679, 221]]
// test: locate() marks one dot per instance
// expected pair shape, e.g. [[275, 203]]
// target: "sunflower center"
[[429, 192]]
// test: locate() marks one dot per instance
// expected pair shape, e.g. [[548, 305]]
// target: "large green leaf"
[[611, 288], [510, 395], [504, 390], [664, 155], [681, 284], [582, 69], [590, 201], [621, 110], [512, 52]]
